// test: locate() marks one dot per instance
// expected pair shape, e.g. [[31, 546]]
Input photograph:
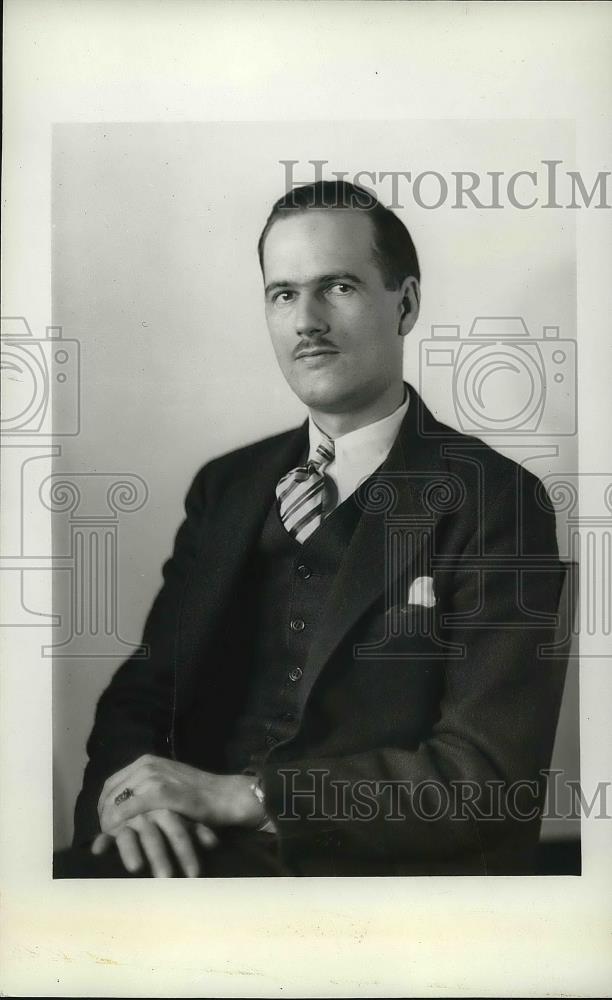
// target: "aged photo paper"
[[305, 322]]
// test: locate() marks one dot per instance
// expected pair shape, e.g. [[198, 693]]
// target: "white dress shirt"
[[357, 454]]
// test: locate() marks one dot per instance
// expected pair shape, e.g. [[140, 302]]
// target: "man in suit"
[[346, 669]]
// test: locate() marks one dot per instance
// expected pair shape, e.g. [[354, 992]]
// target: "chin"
[[330, 395]]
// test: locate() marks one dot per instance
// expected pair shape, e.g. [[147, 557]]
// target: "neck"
[[337, 424]]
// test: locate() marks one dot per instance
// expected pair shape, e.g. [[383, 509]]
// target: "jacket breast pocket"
[[406, 632]]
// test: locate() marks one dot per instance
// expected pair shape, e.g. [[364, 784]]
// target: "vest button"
[[295, 674], [297, 625], [304, 571]]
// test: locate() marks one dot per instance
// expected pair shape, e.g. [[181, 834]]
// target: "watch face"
[[25, 385], [258, 792]]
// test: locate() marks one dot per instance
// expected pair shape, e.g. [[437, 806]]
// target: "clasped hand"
[[170, 803]]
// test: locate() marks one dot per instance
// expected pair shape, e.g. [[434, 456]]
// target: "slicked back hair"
[[392, 246]]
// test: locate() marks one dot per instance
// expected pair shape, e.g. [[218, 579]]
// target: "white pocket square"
[[422, 592], [420, 595]]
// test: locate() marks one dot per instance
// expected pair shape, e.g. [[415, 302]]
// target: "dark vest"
[[288, 585]]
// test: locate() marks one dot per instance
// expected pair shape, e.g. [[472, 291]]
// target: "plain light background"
[[155, 273]]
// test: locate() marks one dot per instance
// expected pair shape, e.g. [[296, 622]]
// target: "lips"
[[316, 353]]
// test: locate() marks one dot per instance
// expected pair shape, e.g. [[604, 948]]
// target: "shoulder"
[[499, 497], [243, 462], [469, 457], [250, 455]]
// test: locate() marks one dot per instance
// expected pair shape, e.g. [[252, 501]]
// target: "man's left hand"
[[158, 783]]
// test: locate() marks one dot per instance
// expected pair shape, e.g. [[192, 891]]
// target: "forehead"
[[306, 244]]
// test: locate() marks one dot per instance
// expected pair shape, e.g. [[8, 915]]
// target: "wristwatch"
[[266, 825]]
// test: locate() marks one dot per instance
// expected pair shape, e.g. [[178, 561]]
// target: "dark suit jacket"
[[437, 706]]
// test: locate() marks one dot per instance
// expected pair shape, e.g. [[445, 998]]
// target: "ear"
[[409, 305]]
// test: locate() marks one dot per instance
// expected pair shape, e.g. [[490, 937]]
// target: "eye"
[[341, 288], [284, 297]]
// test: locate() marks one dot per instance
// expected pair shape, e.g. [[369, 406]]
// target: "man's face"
[[334, 326]]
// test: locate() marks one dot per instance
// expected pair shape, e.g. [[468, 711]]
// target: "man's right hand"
[[154, 836]]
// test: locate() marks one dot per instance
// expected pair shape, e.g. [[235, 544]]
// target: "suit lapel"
[[232, 530], [413, 464], [396, 499]]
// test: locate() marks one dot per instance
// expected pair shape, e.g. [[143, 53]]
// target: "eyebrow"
[[323, 279]]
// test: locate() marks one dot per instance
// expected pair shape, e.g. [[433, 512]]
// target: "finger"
[[116, 782], [180, 841], [126, 777], [155, 849], [111, 820], [122, 779], [101, 844], [206, 837], [149, 796], [113, 817], [129, 849]]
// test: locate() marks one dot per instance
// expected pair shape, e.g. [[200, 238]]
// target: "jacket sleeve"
[[134, 713], [496, 725]]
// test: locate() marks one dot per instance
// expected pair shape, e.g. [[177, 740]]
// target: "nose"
[[310, 316]]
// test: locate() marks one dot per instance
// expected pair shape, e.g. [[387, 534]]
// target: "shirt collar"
[[380, 432], [359, 453]]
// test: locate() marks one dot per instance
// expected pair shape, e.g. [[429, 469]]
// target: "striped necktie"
[[300, 494]]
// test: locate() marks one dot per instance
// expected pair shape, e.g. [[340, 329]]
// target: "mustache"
[[311, 346]]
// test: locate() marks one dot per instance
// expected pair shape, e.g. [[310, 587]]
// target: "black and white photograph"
[[356, 662], [307, 517]]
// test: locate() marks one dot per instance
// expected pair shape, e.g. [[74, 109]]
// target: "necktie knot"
[[325, 452], [300, 493]]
